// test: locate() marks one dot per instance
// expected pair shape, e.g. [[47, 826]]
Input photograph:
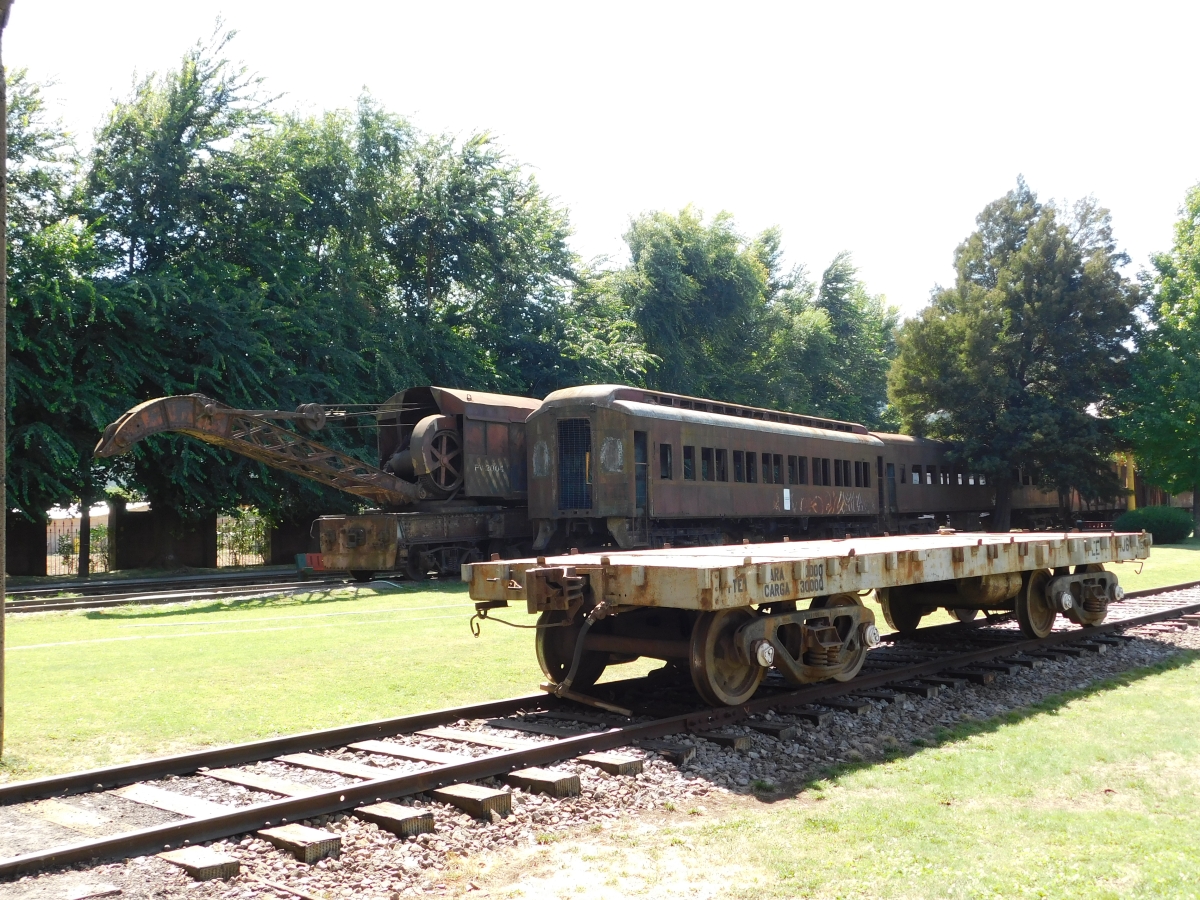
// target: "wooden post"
[[5, 6]]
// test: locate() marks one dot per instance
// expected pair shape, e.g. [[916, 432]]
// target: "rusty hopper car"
[[642, 468], [454, 461], [730, 613]]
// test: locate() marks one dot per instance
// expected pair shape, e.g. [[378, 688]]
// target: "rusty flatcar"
[[729, 614]]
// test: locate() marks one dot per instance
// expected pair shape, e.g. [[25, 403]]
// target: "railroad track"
[[46, 599], [447, 752]]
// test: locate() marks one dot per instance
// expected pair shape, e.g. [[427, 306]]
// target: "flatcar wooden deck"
[[728, 577]]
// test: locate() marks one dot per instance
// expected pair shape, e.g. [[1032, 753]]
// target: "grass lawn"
[[1090, 796], [95, 688]]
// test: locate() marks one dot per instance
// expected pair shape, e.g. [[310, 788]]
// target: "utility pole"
[[5, 6]]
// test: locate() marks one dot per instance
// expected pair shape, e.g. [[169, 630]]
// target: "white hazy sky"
[[882, 129]]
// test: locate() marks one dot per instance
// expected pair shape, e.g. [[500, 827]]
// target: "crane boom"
[[249, 433]]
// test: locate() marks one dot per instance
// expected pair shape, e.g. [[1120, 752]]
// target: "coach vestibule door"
[[641, 473]]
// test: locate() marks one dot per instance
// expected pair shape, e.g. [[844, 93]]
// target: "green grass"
[[96, 688], [1091, 796], [1168, 564]]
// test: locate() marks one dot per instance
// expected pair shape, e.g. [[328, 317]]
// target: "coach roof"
[[681, 408]]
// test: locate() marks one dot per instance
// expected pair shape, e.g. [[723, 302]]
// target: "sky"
[[882, 129]]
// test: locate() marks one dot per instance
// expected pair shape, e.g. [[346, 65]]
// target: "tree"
[[1018, 361], [859, 344], [1160, 405], [337, 258], [724, 318], [698, 293]]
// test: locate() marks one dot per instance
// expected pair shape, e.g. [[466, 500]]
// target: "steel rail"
[[254, 751], [236, 821], [151, 598], [124, 585]]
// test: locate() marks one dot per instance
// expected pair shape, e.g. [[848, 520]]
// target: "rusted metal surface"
[[372, 542], [457, 443], [709, 578], [247, 433], [697, 459]]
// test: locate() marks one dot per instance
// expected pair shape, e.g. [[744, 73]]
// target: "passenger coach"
[[646, 468]]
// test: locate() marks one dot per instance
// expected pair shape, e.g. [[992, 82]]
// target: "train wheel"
[[556, 649], [1034, 611], [901, 615], [845, 627], [721, 676], [963, 615], [415, 566], [1094, 611]]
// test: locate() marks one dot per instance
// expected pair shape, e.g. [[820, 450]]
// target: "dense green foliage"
[[724, 319], [1013, 362], [1168, 524], [208, 243], [1160, 406]]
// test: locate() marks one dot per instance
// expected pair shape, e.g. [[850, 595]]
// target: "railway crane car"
[[449, 486], [731, 613]]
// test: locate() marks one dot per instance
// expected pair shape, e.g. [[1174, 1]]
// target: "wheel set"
[[721, 669]]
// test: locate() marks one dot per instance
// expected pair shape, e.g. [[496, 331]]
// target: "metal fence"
[[62, 546], [242, 540]]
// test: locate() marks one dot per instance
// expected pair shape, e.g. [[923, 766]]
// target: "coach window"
[[802, 470], [866, 474], [916, 473], [706, 463], [825, 472], [739, 465], [903, 476], [751, 467], [857, 473], [983, 479], [664, 462], [777, 468], [837, 473], [931, 474], [792, 470], [766, 468], [960, 479], [689, 463], [722, 465], [970, 479]]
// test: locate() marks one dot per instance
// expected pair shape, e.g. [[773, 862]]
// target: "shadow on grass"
[[969, 728], [300, 600]]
